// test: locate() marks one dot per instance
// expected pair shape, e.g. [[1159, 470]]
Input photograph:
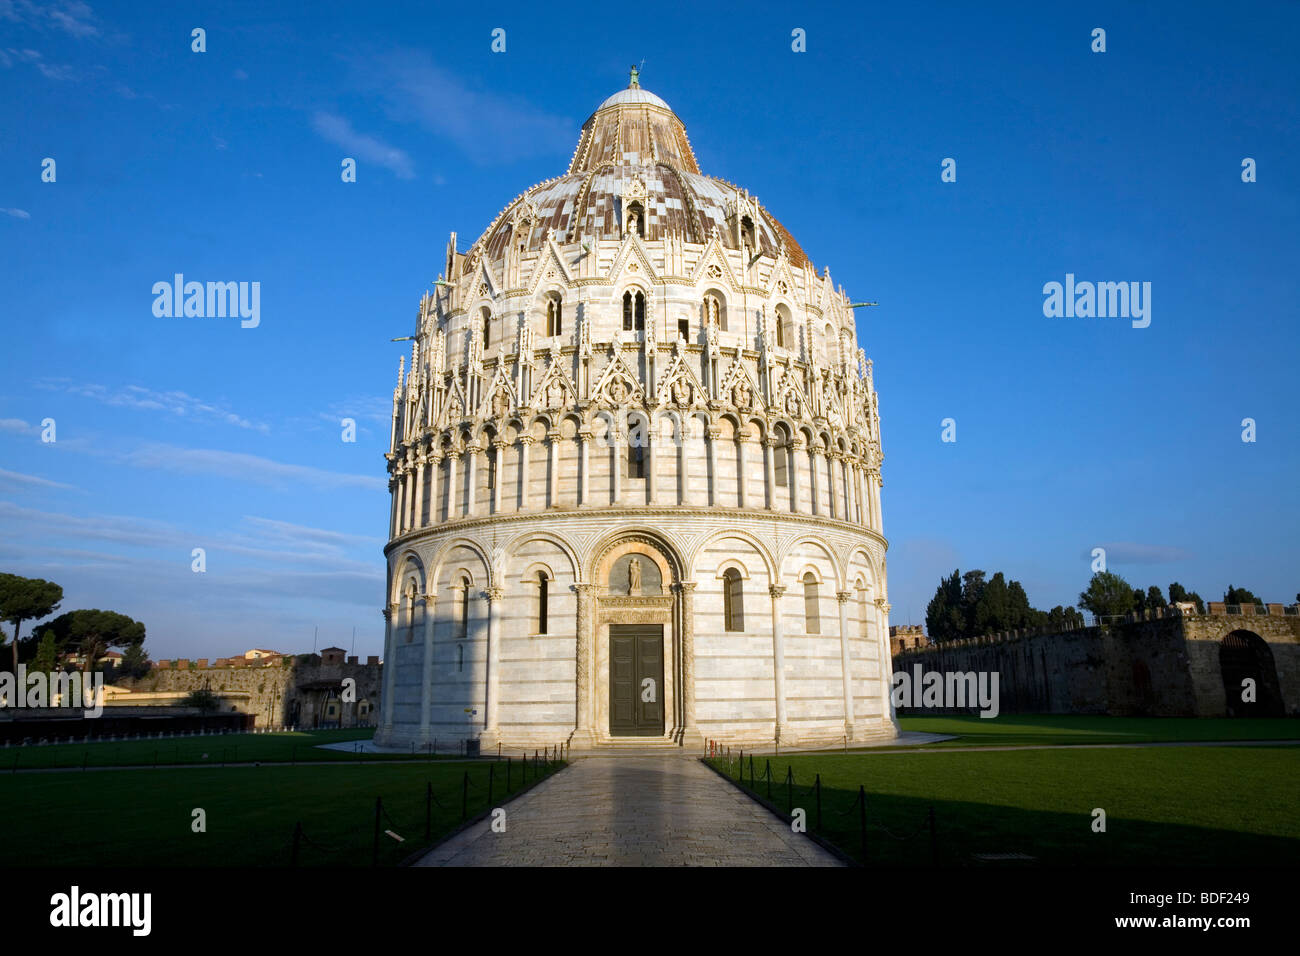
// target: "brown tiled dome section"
[[633, 135]]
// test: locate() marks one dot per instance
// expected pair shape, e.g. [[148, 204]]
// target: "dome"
[[634, 95], [634, 141]]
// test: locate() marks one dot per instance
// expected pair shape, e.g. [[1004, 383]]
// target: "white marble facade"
[[635, 364]]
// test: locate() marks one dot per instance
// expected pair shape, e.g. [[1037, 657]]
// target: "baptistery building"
[[635, 473]]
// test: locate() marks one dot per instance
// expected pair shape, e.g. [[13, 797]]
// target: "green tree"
[[26, 599], [135, 661], [1107, 594], [47, 654], [1139, 600], [1155, 598], [944, 619], [94, 631], [1239, 596]]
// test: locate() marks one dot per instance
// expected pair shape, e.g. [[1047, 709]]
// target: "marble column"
[[778, 663], [493, 695], [452, 510], [812, 479], [769, 473], [435, 501], [584, 478], [742, 436], [390, 667], [410, 491], [553, 470], [690, 734], [418, 518], [843, 598], [886, 661], [472, 453], [616, 469], [426, 673], [525, 441], [713, 435], [830, 481], [393, 485], [499, 474], [796, 453], [585, 732]]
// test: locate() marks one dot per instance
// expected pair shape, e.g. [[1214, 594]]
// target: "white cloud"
[[339, 131], [15, 425], [243, 467], [17, 478], [16, 213], [173, 402]]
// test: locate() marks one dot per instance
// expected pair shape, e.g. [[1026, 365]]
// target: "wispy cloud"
[[72, 17], [16, 213], [19, 479], [418, 91], [243, 467], [10, 56], [339, 131], [15, 425], [146, 399]]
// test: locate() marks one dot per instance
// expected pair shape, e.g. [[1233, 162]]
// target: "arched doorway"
[[1144, 695], [1244, 654], [638, 653]]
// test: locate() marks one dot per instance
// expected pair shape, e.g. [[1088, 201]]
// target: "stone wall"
[[272, 691], [1159, 664]]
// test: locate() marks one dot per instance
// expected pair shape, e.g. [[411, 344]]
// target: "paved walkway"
[[665, 810]]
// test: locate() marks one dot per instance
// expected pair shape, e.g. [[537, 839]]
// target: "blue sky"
[[1073, 433]]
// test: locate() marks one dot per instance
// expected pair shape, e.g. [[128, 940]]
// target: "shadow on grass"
[[898, 830]]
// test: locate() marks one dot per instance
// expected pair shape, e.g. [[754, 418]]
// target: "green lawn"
[[1039, 729], [1164, 806], [287, 747], [143, 817]]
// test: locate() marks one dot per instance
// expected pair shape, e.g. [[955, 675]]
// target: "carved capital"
[[776, 590], [843, 596], [494, 594]]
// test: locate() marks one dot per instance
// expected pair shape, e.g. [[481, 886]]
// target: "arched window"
[[733, 601], [747, 236], [464, 608], [684, 329], [784, 327], [635, 460], [715, 312], [636, 219], [543, 597], [554, 315], [633, 311], [831, 346], [811, 602], [486, 324]]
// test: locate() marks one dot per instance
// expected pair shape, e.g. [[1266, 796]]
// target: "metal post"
[[767, 772]]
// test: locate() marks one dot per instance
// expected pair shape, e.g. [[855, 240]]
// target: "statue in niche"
[[555, 394], [634, 578], [792, 404], [500, 403], [740, 395], [681, 392], [617, 391]]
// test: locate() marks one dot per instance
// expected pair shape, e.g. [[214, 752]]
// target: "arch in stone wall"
[[446, 555], [1243, 655], [794, 565]]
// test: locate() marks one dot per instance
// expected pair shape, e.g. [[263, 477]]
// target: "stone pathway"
[[665, 810]]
